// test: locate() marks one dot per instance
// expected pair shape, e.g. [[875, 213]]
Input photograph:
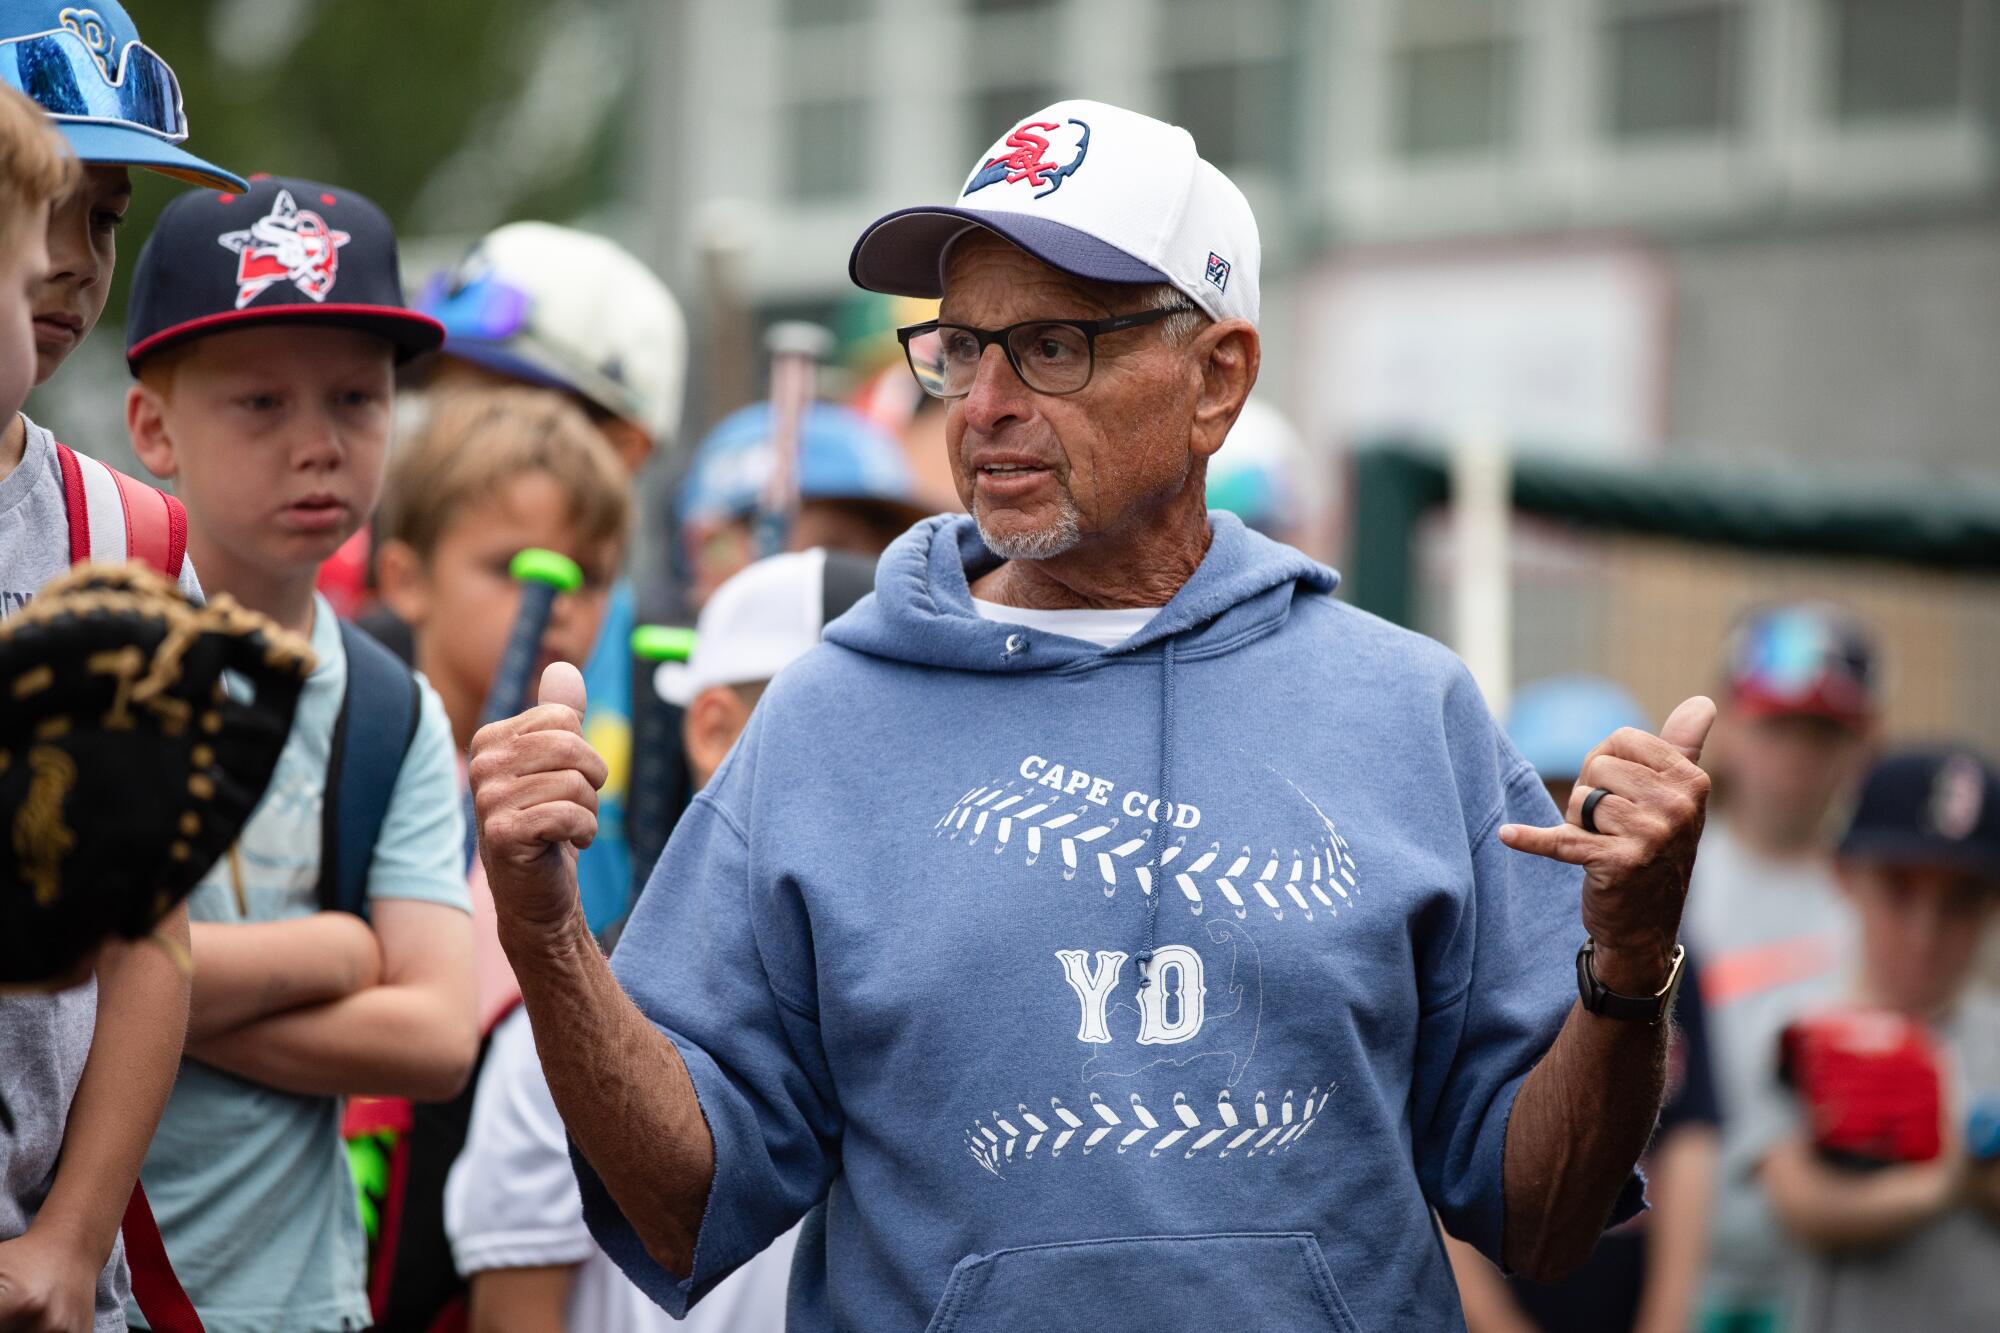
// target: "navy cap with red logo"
[[1929, 807], [284, 251]]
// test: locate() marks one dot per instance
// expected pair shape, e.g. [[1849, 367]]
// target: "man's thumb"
[[1686, 729], [562, 683]]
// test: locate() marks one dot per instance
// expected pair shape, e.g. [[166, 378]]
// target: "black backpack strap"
[[371, 734]]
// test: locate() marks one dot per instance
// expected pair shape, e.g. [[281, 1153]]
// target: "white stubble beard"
[[1043, 543]]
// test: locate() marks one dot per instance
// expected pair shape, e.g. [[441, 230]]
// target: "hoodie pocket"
[[1276, 1280]]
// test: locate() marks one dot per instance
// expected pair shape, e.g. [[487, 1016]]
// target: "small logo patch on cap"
[[1958, 793], [288, 244], [1030, 162], [96, 34], [1218, 271]]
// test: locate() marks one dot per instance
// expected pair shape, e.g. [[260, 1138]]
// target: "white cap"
[[1096, 191], [763, 618], [572, 310]]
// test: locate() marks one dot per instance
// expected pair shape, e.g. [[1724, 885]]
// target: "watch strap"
[[1599, 999]]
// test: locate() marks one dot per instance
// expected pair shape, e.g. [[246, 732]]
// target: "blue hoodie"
[[898, 941]]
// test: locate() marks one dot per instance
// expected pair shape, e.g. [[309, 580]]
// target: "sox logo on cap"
[[1029, 161]]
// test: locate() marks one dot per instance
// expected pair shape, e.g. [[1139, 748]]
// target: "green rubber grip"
[[663, 643], [536, 565]]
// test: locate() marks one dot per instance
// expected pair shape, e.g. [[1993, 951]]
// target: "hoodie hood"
[[922, 613]]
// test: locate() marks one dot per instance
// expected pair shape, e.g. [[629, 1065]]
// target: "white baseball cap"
[[763, 618], [571, 310], [1096, 191]]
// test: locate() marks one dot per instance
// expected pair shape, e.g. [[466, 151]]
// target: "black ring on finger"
[[1588, 816]]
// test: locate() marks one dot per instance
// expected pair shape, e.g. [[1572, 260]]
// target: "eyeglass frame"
[[1091, 329]]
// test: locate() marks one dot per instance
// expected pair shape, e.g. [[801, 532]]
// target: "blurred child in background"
[[1799, 704], [490, 472], [1882, 1156], [264, 332], [513, 1207]]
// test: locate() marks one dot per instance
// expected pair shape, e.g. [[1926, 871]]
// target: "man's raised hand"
[[534, 788], [1636, 865]]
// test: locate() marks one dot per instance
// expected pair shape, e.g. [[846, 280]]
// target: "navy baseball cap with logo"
[[112, 96], [283, 251], [1929, 807], [1093, 190]]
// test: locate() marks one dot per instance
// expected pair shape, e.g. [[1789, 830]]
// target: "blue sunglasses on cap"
[[70, 77]]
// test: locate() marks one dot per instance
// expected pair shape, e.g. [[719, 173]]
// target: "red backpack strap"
[[155, 1289], [115, 517]]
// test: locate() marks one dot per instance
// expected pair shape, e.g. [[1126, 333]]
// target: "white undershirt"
[[1107, 628]]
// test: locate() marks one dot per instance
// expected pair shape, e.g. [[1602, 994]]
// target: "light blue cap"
[[841, 457], [1556, 722]]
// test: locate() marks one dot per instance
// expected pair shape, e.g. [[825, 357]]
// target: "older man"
[[1106, 926]]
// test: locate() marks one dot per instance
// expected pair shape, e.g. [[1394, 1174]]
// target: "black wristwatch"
[[1647, 1009]]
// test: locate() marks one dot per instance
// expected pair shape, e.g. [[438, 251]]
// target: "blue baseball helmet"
[[841, 457], [115, 100], [1556, 722]]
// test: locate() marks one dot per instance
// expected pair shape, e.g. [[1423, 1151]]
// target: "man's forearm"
[[386, 1041], [142, 1008], [251, 970], [1580, 1121], [621, 1086]]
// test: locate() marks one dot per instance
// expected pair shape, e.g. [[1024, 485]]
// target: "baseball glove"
[[1871, 1085], [128, 763]]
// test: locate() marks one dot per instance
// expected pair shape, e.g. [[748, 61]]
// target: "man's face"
[[1921, 928], [1785, 773], [279, 436], [83, 249], [23, 262], [1044, 473]]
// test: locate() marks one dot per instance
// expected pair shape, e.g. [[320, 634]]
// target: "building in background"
[[1784, 213]]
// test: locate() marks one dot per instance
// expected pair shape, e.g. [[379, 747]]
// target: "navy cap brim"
[[112, 146], [410, 333], [1906, 847], [902, 253]]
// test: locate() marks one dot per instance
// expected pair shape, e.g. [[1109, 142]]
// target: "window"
[[994, 111], [1457, 75], [1230, 75], [1007, 6], [803, 13], [1673, 68], [1896, 58], [1236, 112], [824, 149]]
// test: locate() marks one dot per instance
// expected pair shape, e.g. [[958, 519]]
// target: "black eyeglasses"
[[1050, 355]]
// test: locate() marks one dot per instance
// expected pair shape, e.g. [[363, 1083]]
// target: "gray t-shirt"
[[45, 1039], [1772, 937], [1941, 1276]]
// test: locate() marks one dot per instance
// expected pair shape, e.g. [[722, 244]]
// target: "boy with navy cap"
[[264, 332], [85, 1069], [1879, 1151]]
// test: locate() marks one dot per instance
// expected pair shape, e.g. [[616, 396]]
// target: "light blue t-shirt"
[[250, 1185], [604, 870]]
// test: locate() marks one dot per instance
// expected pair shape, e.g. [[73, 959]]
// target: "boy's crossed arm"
[[256, 969], [411, 1034]]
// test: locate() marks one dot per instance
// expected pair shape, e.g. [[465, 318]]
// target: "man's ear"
[[715, 718], [404, 582], [1228, 354], [146, 426]]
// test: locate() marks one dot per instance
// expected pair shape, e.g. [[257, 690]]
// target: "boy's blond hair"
[[36, 168], [474, 441]]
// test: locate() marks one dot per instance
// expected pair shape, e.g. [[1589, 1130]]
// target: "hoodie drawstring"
[[1166, 787]]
